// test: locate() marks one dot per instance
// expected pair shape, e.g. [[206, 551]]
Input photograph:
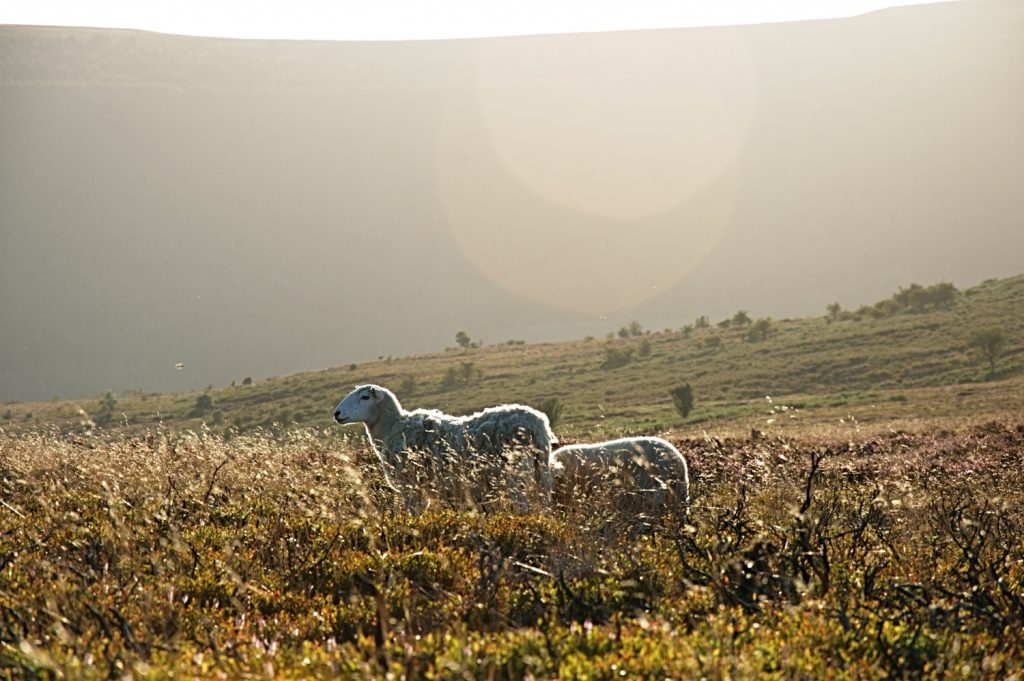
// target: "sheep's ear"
[[373, 393]]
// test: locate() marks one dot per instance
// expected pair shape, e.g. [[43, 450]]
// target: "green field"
[[857, 508]]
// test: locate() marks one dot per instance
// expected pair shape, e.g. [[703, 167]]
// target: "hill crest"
[[913, 363]]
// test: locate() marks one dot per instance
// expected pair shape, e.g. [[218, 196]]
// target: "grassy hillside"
[[859, 364]]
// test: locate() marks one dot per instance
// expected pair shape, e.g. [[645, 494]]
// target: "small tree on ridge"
[[990, 343], [682, 398]]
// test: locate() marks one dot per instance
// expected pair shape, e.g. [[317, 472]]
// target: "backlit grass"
[[833, 555]]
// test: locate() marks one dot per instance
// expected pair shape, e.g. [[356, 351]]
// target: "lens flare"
[[573, 176]]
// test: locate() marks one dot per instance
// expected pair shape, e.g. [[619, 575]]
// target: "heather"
[[831, 554]]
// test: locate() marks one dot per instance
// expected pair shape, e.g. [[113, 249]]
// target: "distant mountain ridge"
[[257, 208], [32, 54], [120, 57]]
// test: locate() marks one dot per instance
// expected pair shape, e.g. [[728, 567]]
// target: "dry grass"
[[844, 555]]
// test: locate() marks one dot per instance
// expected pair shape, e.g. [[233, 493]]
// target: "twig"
[[531, 568], [12, 509], [816, 459], [213, 478]]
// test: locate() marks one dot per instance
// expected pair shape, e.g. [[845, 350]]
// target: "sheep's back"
[[426, 431], [509, 426], [648, 463]]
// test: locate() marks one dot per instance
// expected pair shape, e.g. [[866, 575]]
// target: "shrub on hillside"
[[759, 330], [202, 406], [464, 374], [989, 343], [713, 342], [914, 298], [105, 414], [552, 406], [616, 357], [682, 398]]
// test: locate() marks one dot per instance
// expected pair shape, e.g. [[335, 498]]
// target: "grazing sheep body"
[[427, 446], [643, 473]]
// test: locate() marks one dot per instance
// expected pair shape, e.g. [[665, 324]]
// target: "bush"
[[464, 374], [919, 298], [989, 343], [615, 357], [759, 331], [552, 406], [914, 298], [682, 398], [203, 405], [632, 329], [886, 308], [713, 342], [105, 413]]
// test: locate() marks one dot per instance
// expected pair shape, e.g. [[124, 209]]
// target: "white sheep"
[[642, 473], [509, 443]]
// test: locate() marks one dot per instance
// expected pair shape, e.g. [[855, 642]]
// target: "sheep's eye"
[[365, 397]]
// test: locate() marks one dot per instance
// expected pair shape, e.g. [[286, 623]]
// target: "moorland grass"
[[829, 555]]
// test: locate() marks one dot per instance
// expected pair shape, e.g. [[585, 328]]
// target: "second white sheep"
[[642, 473]]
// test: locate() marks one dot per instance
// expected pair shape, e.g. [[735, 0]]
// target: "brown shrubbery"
[[187, 553]]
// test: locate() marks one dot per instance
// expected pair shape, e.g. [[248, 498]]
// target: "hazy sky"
[[257, 208], [416, 19]]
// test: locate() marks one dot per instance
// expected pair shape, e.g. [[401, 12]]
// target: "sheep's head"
[[362, 405]]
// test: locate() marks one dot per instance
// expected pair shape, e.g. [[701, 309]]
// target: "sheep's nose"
[[337, 414]]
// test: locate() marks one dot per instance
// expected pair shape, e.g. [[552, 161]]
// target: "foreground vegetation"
[[900, 357], [827, 555], [857, 489]]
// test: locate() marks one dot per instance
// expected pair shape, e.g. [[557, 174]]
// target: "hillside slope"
[[913, 364]]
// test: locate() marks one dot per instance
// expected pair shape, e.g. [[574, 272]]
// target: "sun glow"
[[545, 166]]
